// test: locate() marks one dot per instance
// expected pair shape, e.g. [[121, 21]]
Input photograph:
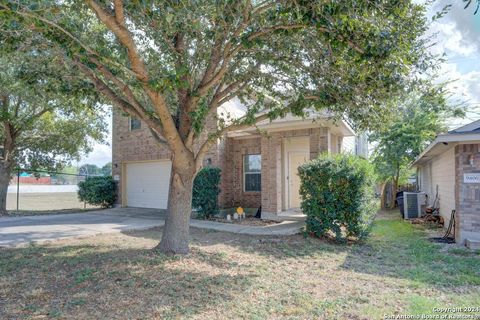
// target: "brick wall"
[[232, 193], [140, 145], [135, 145], [467, 195]]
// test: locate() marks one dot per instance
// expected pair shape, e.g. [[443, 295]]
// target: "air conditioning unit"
[[413, 203]]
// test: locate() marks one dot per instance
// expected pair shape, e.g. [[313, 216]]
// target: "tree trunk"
[[394, 192], [175, 235], [5, 172], [382, 195]]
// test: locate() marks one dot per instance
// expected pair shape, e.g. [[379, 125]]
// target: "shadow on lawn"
[[395, 249], [279, 247], [88, 281]]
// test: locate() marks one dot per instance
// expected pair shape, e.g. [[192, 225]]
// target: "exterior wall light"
[[471, 159]]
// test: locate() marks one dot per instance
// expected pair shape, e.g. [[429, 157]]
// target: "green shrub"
[[338, 195], [97, 191], [205, 191]]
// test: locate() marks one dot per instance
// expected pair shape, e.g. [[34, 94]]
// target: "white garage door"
[[147, 184]]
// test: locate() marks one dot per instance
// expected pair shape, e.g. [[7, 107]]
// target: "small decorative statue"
[[229, 217], [240, 213]]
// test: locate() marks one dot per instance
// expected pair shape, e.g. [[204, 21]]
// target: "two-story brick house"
[[258, 169]]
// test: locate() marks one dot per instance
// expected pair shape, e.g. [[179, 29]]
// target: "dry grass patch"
[[229, 276]]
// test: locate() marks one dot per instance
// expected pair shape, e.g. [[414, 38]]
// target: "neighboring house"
[[452, 163], [258, 169]]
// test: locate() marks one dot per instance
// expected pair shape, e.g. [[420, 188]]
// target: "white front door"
[[147, 184], [295, 159]]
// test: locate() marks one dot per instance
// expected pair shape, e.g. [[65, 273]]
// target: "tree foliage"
[[172, 63], [98, 191], [48, 115], [422, 116], [188, 58]]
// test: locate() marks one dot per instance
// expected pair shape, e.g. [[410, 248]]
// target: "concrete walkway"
[[284, 228], [20, 230]]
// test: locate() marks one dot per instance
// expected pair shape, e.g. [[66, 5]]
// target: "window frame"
[[130, 119], [245, 173]]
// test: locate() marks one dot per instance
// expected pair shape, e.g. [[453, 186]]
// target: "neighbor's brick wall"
[[467, 195]]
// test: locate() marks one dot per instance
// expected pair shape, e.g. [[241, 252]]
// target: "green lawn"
[[397, 271]]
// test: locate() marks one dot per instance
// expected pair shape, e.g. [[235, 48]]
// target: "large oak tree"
[[172, 63], [48, 115]]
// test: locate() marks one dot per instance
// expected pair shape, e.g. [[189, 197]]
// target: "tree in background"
[[420, 118], [172, 63], [89, 170], [46, 115], [106, 170]]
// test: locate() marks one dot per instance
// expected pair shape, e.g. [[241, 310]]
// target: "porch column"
[[271, 175], [226, 164], [329, 141]]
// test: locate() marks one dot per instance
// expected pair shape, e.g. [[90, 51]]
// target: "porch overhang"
[[341, 128]]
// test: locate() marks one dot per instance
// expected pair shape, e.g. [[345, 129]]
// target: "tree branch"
[[171, 133], [119, 15]]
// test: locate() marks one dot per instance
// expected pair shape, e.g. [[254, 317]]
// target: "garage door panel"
[[147, 184]]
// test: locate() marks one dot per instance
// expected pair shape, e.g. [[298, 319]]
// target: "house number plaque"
[[471, 178]]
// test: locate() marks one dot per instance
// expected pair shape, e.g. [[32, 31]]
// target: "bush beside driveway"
[[118, 276]]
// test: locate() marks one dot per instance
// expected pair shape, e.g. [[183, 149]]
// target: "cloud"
[[452, 41], [100, 155], [464, 88], [459, 29], [457, 37]]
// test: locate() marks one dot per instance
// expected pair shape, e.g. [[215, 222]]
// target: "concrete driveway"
[[20, 230]]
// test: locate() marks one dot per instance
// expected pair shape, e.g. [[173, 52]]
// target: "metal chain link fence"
[[38, 190]]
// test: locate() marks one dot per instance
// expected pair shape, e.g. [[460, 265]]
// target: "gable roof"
[[469, 133], [468, 128]]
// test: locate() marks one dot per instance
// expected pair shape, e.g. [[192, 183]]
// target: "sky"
[[457, 37], [102, 152]]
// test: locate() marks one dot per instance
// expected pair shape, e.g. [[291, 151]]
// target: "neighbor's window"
[[252, 177], [135, 123]]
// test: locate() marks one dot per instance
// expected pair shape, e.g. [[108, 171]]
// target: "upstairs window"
[[135, 123], [252, 177]]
